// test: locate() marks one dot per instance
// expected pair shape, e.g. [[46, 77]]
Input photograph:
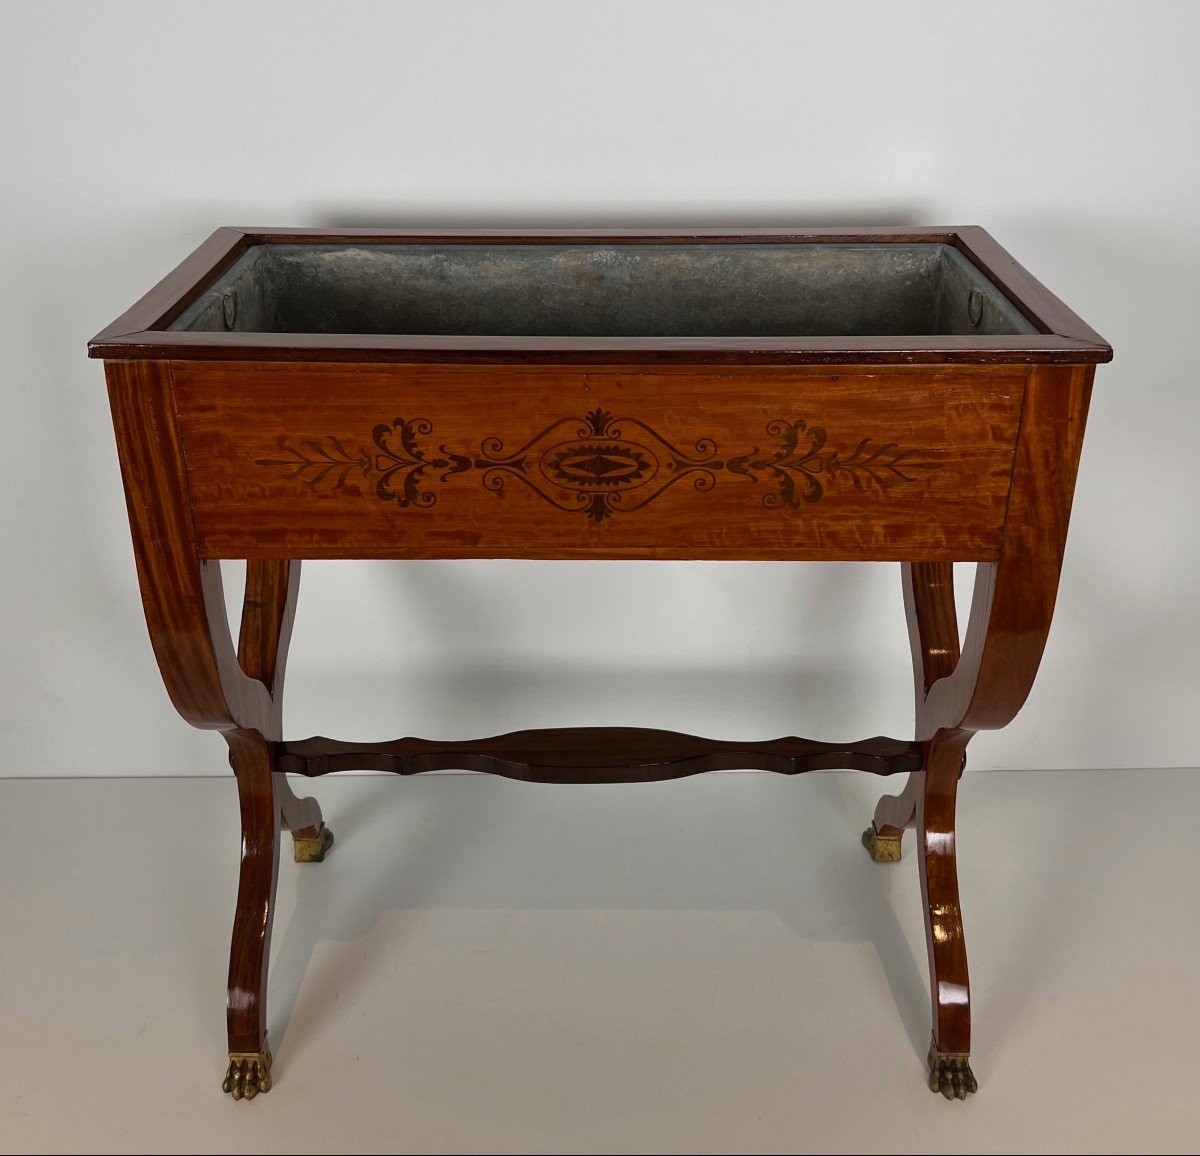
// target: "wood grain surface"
[[304, 448], [325, 461]]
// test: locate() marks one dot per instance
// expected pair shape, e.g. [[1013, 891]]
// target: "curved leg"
[[249, 1070], [213, 685], [933, 637], [268, 611], [984, 686], [949, 1066]]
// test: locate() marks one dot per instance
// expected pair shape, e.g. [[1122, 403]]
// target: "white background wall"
[[128, 131]]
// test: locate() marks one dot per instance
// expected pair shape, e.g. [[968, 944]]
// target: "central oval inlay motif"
[[607, 464], [591, 472]]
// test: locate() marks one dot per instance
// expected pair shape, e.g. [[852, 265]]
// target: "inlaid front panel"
[[306, 460]]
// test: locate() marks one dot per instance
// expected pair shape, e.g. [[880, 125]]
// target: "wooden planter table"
[[903, 395]]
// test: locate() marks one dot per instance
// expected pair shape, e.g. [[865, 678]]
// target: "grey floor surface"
[[711, 965]]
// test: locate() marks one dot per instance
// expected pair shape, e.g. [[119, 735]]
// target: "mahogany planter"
[[908, 395]]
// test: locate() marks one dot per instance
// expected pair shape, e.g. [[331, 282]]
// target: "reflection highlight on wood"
[[597, 755], [922, 450], [984, 686]]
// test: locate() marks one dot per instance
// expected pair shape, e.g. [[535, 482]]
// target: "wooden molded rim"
[[141, 331]]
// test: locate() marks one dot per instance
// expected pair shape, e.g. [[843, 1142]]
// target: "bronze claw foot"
[[311, 848], [881, 848], [249, 1073], [950, 1073]]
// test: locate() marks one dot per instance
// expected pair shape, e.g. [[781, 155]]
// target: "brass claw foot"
[[249, 1073], [881, 848], [950, 1073], [312, 848]]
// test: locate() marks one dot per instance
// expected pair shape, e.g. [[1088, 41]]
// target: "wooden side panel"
[[321, 461]]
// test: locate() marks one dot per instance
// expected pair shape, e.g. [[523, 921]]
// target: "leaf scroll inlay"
[[600, 465]]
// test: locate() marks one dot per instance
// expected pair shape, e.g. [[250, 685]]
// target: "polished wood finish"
[[268, 612], [240, 445], [985, 686], [597, 755], [250, 951], [885, 464], [1048, 312], [185, 611], [932, 622], [141, 332], [172, 295]]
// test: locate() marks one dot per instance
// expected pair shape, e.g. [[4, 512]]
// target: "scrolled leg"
[[934, 642], [249, 1070], [949, 1066], [928, 804], [268, 612], [213, 684]]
